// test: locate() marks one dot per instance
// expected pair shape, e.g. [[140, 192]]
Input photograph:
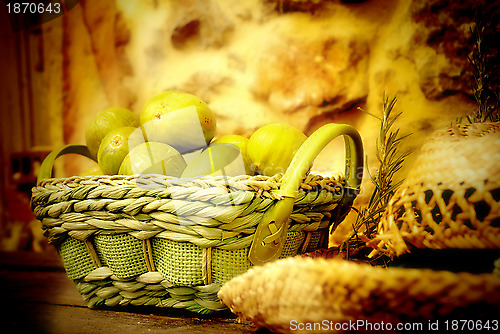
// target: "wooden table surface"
[[37, 297]]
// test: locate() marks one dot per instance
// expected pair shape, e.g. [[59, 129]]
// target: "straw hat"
[[317, 295], [451, 197]]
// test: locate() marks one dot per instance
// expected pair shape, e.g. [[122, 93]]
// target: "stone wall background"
[[305, 63]]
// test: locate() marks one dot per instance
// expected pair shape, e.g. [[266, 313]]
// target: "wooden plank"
[[48, 318], [38, 297], [40, 287], [29, 260]]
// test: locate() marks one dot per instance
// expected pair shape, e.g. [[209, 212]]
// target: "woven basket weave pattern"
[[76, 259], [122, 253], [187, 234], [179, 262]]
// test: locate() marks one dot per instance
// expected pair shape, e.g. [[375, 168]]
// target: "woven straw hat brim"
[[302, 290]]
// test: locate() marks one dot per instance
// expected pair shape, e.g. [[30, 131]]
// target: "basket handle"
[[271, 231], [48, 163]]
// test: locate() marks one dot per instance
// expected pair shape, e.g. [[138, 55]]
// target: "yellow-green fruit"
[[179, 119], [153, 158], [217, 159], [91, 171], [104, 122], [242, 143], [113, 149], [272, 147]]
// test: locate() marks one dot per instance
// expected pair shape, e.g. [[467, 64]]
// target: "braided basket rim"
[[254, 182]]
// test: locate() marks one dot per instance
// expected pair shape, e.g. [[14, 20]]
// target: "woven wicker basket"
[[170, 242]]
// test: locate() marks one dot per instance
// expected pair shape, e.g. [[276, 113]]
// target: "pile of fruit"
[[174, 136]]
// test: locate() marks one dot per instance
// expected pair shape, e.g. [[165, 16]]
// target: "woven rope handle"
[[48, 163], [270, 234]]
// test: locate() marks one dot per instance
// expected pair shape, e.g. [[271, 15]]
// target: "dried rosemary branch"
[[390, 159], [483, 59]]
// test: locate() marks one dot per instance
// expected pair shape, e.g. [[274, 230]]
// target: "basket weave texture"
[[169, 242], [451, 197]]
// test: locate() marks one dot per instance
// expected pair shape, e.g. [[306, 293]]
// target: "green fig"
[[92, 171], [272, 147], [179, 119], [113, 149], [106, 121], [242, 143], [153, 158], [217, 159]]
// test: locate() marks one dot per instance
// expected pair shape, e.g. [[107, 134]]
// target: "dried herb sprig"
[[482, 59], [390, 159]]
